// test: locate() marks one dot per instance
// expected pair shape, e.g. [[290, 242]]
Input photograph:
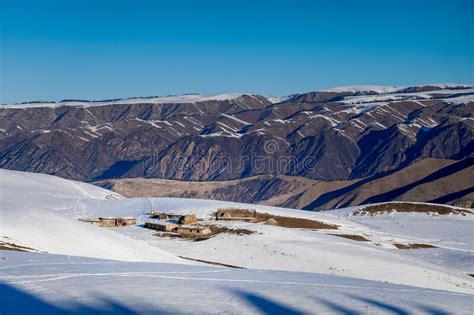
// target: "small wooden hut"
[[236, 215], [117, 221], [164, 216], [188, 231], [107, 221], [161, 226], [187, 219]]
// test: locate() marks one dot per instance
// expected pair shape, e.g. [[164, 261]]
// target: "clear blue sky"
[[51, 50]]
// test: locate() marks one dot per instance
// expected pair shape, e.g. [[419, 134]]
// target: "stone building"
[[117, 221], [236, 215], [187, 219], [164, 216], [161, 226], [193, 231]]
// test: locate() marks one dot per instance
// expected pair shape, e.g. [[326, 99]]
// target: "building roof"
[[115, 218], [89, 220], [162, 223]]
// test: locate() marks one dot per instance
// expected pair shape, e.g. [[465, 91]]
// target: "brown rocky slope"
[[430, 180]]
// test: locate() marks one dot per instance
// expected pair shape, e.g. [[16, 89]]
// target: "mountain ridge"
[[334, 135], [198, 97]]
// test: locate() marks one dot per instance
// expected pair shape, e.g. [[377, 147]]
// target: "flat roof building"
[[193, 231], [236, 215], [161, 226]]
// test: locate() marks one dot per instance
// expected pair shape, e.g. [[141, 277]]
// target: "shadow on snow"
[[15, 301]]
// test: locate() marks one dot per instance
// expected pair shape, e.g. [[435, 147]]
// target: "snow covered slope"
[[34, 212], [46, 220], [306, 250], [50, 284]]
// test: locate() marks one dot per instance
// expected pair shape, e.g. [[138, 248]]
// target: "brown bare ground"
[[12, 246], [218, 229], [358, 238], [413, 246], [290, 222], [409, 207]]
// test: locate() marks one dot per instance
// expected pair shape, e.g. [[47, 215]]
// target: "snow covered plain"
[[51, 284], [85, 268]]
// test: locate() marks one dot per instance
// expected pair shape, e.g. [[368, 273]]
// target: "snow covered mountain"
[[340, 134], [357, 260]]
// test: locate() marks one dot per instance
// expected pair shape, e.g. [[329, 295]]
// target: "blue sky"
[[52, 50]]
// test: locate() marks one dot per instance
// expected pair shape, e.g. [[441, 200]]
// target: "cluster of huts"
[[178, 226], [112, 221]]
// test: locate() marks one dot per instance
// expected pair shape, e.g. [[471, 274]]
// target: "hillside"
[[35, 212], [403, 257], [49, 223], [338, 134], [429, 180]]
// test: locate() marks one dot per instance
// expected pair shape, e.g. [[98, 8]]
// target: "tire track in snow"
[[72, 274], [164, 275]]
